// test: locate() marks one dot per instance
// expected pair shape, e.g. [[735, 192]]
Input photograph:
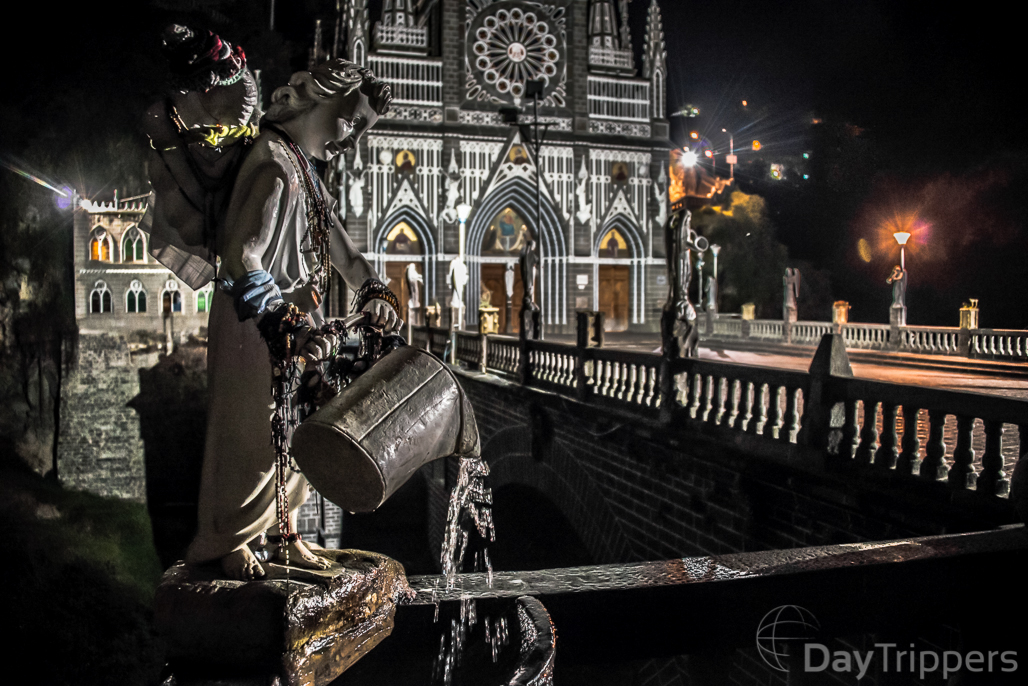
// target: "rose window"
[[514, 44]]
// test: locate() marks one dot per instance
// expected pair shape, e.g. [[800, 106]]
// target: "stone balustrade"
[[958, 441], [981, 344]]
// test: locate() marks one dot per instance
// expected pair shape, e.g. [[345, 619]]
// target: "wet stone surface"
[[302, 625]]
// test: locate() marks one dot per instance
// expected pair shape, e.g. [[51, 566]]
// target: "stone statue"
[[452, 182], [791, 287], [679, 334], [457, 279], [660, 195], [585, 208], [198, 136], [898, 279], [530, 320], [357, 181], [710, 301], [266, 265], [413, 281], [508, 280], [485, 297]]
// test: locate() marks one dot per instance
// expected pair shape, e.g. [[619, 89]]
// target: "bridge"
[[706, 493]]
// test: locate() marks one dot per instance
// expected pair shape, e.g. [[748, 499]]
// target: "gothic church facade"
[[596, 214]]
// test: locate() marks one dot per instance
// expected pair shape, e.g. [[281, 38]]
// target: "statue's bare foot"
[[241, 565], [301, 556]]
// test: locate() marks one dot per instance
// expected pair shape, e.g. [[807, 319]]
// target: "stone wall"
[[100, 448]]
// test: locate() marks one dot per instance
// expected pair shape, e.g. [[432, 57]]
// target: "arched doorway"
[[613, 282], [501, 245], [402, 241]]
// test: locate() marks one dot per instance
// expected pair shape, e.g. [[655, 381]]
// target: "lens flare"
[[864, 249]]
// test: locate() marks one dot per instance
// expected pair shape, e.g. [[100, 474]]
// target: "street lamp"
[[732, 159], [902, 237]]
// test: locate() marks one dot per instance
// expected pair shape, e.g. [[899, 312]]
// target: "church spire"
[[357, 31], [655, 60], [602, 25], [610, 45]]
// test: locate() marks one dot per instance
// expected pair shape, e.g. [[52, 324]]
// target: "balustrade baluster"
[[722, 398], [749, 394], [962, 474], [910, 459], [850, 430], [933, 467], [732, 402], [774, 406], [761, 397], [628, 386], [605, 390], [792, 416], [868, 434], [696, 391], [651, 390], [888, 452], [640, 384], [993, 480], [709, 401]]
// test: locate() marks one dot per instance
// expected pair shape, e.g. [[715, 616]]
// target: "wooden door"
[[614, 300], [493, 278]]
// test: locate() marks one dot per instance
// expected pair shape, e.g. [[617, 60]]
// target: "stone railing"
[[957, 441], [985, 344], [995, 344]]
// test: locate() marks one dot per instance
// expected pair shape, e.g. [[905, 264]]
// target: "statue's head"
[[203, 65], [897, 273], [339, 100]]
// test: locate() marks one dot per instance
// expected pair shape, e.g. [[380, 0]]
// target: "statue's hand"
[[381, 314]]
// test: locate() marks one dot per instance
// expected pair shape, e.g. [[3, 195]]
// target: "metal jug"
[[405, 411]]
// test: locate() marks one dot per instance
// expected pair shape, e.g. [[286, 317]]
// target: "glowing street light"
[[689, 158], [732, 159], [902, 237]]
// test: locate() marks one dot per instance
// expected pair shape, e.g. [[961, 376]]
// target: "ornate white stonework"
[[405, 143], [410, 113], [405, 197], [620, 128], [608, 155], [511, 42]]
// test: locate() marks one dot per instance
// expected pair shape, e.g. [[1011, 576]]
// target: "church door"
[[613, 283]]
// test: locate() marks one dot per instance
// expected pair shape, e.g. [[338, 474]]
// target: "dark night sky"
[[933, 91]]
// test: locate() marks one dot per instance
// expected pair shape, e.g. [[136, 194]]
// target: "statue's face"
[[338, 124]]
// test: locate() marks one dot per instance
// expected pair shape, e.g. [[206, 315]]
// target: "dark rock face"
[[306, 628]]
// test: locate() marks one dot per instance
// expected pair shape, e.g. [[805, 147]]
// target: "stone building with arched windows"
[[597, 212], [119, 287]]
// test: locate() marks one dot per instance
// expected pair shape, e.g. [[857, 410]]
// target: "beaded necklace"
[[317, 239]]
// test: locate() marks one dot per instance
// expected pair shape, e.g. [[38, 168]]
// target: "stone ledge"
[[306, 629]]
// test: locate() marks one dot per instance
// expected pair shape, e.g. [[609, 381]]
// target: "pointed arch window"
[[658, 94], [135, 297], [171, 298], [101, 248], [133, 246], [100, 299], [203, 299]]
